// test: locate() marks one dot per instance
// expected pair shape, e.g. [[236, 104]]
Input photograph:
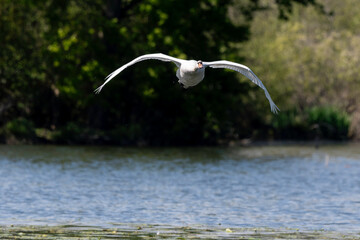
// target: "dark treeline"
[[55, 53]]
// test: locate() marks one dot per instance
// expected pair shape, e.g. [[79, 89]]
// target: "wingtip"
[[274, 109], [97, 91]]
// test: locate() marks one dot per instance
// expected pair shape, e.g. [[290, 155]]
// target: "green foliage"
[[310, 60], [286, 6], [70, 133], [329, 123], [77, 43], [313, 123], [20, 128], [291, 124], [126, 135], [55, 53]]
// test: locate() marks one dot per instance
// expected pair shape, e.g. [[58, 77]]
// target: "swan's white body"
[[191, 72]]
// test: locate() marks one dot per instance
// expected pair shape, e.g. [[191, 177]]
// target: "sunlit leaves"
[[54, 47], [90, 66], [308, 60]]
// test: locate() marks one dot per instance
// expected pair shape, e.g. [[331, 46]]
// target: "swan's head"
[[193, 66]]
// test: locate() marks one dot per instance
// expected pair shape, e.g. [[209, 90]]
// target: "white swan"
[[191, 72]]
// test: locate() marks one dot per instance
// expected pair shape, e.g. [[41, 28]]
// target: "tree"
[[311, 61], [56, 52]]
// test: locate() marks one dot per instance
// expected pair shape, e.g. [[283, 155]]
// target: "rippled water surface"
[[279, 186]]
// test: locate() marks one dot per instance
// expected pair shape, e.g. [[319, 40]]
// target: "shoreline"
[[149, 231], [238, 143]]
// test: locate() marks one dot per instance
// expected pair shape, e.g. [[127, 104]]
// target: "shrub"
[[329, 122], [20, 128], [323, 122]]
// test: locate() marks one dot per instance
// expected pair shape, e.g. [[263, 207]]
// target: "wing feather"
[[244, 70], [156, 56]]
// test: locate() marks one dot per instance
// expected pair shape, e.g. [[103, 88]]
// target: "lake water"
[[274, 186]]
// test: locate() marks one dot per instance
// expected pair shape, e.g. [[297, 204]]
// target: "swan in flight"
[[191, 72]]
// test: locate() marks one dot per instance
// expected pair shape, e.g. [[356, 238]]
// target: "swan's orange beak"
[[200, 65]]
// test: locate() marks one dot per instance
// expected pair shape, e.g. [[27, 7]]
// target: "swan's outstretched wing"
[[247, 73], [157, 56]]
